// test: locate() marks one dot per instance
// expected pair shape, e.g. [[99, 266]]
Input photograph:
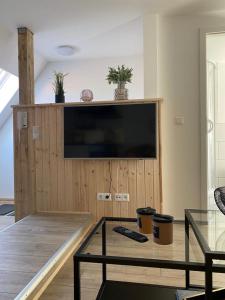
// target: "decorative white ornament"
[[86, 95]]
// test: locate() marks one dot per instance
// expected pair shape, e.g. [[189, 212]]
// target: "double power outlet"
[[108, 197]]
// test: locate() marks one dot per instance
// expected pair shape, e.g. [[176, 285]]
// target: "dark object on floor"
[[219, 195], [131, 234], [6, 209]]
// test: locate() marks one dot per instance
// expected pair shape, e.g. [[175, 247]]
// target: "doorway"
[[215, 115]]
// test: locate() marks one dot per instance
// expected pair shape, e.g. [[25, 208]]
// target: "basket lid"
[[146, 211], [162, 218]]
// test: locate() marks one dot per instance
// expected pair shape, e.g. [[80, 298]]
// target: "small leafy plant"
[[59, 83], [119, 75]]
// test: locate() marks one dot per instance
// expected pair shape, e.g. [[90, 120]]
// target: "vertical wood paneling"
[[84, 186], [100, 187], [17, 168], [53, 195], [140, 196], [60, 161], [39, 160], [92, 185], [123, 186], [31, 161], [68, 186], [26, 66], [55, 184], [132, 187], [108, 208], [45, 159], [149, 183]]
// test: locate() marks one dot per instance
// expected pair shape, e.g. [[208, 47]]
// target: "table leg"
[[76, 272], [187, 251], [104, 251], [208, 278]]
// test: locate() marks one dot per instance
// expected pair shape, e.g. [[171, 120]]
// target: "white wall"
[[89, 74], [6, 160], [178, 84], [150, 42]]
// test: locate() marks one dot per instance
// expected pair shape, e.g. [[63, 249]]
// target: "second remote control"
[[131, 234]]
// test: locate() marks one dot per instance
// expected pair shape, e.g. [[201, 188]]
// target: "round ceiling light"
[[66, 50]]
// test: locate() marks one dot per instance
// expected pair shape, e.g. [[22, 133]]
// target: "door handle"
[[210, 125]]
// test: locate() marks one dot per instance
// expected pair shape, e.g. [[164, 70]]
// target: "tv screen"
[[110, 131]]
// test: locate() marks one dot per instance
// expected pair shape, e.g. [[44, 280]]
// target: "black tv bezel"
[[112, 158]]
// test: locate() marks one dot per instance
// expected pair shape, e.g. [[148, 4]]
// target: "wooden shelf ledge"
[[97, 102]]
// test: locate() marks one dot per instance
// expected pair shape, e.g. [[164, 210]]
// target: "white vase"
[[121, 93]]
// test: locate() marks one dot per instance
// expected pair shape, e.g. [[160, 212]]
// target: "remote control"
[[131, 234]]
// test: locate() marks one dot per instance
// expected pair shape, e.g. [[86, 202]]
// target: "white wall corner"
[[150, 41]]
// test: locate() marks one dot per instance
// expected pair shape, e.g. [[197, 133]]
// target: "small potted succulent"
[[120, 76], [59, 87]]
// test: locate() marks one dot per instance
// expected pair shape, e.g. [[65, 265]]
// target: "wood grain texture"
[[93, 103], [46, 182], [24, 167], [27, 248], [26, 66], [24, 156]]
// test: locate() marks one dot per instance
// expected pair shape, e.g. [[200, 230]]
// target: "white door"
[[211, 102]]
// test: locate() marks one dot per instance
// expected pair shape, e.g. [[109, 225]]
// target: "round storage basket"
[[144, 217], [163, 229]]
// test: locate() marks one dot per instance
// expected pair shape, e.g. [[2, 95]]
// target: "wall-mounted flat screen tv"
[[122, 131]]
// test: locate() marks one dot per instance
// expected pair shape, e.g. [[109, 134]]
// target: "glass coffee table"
[[105, 247], [209, 229]]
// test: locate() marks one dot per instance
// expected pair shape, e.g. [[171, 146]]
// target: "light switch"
[[179, 120], [21, 119], [35, 132]]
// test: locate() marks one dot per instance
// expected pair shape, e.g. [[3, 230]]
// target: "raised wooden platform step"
[[6, 221], [34, 249]]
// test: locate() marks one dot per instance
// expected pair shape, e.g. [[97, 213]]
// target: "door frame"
[[203, 111]]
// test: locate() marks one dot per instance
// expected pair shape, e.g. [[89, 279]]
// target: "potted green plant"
[[120, 76], [59, 87]]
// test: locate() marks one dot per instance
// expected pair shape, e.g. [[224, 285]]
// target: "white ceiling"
[[95, 27]]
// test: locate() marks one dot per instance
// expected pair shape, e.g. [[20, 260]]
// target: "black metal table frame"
[[208, 254], [186, 265]]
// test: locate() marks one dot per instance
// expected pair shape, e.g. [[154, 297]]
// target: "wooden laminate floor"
[[62, 286], [27, 246], [6, 221]]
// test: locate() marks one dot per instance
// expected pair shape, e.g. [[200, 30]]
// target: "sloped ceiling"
[[83, 23]]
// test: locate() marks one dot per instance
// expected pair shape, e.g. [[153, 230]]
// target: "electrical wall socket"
[[121, 197], [104, 197]]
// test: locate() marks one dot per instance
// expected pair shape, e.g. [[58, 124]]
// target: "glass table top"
[[119, 245], [211, 226]]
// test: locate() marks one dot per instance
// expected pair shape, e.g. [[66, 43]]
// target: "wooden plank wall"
[[26, 65], [52, 184]]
